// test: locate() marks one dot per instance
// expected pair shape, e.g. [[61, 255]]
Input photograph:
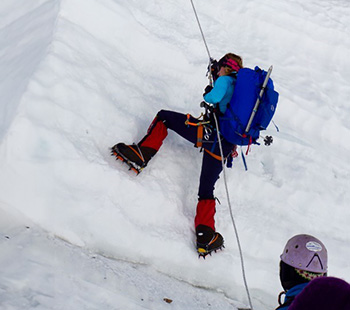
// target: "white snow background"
[[80, 231]]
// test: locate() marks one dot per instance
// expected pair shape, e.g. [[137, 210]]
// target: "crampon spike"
[[132, 166], [203, 252]]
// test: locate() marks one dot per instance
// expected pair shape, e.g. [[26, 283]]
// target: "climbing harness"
[[224, 171], [203, 131], [189, 123]]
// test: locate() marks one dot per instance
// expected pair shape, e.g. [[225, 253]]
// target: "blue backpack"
[[251, 108]]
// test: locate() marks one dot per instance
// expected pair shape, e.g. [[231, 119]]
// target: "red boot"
[[207, 239], [205, 213], [156, 133], [137, 156]]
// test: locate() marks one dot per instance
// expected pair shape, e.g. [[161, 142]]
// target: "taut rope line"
[[223, 168]]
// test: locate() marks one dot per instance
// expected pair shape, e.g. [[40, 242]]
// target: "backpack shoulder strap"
[[287, 301]]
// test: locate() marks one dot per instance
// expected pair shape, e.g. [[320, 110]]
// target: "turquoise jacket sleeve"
[[222, 92]]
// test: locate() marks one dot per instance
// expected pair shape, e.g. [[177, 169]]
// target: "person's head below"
[[304, 258], [229, 63], [303, 274]]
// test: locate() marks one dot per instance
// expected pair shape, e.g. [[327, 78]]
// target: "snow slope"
[[79, 76], [41, 271]]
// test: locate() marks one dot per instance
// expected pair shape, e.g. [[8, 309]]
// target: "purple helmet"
[[305, 252]]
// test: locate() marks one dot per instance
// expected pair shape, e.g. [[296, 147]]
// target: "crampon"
[[203, 252], [217, 243], [132, 166]]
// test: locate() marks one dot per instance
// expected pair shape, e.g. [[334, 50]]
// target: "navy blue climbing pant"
[[211, 164]]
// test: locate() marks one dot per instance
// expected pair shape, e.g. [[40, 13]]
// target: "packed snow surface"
[[80, 231]]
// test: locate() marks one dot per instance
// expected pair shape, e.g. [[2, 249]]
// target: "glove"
[[207, 90], [214, 66]]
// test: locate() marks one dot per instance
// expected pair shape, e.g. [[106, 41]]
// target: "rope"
[[231, 214], [200, 28], [205, 43], [223, 168]]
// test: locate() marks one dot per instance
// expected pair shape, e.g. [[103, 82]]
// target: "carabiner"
[[208, 132]]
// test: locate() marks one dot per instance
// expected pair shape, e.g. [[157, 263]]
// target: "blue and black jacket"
[[222, 92], [290, 295]]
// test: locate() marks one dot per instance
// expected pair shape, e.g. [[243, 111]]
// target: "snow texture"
[[80, 231]]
